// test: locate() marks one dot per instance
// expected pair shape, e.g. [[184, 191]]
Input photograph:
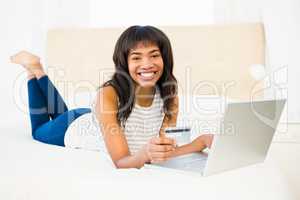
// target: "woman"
[[132, 109]]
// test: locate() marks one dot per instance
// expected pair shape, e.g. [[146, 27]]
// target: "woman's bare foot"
[[30, 62]]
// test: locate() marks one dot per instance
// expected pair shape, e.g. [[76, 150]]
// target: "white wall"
[[16, 33], [229, 11], [294, 59], [156, 12]]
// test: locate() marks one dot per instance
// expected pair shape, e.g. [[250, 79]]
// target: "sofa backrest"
[[209, 59]]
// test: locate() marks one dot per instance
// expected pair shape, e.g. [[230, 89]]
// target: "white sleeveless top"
[[142, 124]]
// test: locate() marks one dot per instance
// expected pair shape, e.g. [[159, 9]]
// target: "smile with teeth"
[[147, 75]]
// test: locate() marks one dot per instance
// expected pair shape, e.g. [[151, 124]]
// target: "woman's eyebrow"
[[139, 53], [154, 50], [135, 53]]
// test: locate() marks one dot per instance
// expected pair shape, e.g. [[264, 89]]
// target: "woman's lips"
[[147, 75]]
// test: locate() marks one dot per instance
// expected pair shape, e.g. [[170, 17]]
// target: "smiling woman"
[[139, 51]]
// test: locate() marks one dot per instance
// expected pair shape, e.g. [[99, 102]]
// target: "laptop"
[[246, 132]]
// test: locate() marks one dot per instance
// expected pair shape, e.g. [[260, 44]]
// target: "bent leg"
[[56, 104], [37, 105], [53, 132]]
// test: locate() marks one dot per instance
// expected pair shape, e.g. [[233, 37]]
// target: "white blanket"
[[31, 170]]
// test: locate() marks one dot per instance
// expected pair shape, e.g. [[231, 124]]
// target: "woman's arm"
[[157, 149], [114, 137], [197, 145]]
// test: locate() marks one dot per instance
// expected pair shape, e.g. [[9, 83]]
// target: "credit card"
[[182, 135]]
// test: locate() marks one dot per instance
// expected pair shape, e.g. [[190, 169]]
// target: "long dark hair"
[[122, 82]]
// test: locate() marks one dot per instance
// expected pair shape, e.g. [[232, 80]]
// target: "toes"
[[12, 59]]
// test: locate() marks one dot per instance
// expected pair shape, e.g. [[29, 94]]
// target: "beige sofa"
[[209, 60]]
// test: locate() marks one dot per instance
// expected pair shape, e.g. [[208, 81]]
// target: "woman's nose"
[[147, 63], [147, 66]]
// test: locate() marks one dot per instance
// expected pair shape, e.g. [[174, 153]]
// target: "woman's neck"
[[144, 96]]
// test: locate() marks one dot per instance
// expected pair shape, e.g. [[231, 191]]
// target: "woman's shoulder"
[[107, 96], [107, 92]]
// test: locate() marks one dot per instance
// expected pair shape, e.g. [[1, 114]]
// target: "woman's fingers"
[[162, 155], [208, 140], [161, 152], [157, 161], [163, 141], [159, 158], [161, 148]]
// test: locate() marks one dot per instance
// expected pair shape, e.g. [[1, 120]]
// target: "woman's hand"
[[203, 141], [159, 149]]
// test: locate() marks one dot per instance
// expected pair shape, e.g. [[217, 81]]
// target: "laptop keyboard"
[[191, 162]]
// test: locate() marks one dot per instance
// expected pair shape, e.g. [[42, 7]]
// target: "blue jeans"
[[49, 114]]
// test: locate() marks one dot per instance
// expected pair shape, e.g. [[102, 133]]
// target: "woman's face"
[[145, 64]]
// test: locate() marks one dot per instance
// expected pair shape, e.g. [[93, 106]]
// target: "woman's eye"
[[155, 55], [135, 58]]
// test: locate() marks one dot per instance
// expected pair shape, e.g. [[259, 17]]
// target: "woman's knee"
[[49, 134]]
